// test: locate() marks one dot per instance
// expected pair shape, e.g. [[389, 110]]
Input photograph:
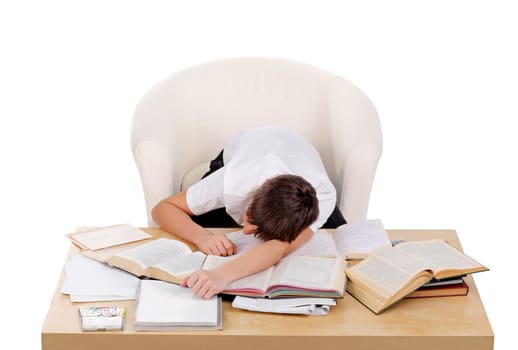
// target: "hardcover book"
[[392, 273]]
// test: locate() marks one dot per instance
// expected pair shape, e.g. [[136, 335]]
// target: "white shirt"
[[250, 158]]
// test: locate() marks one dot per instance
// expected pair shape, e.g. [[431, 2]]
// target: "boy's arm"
[[206, 283], [173, 215]]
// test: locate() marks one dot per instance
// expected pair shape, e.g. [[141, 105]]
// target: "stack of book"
[[406, 269], [449, 287]]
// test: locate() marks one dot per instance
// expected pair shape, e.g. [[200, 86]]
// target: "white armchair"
[[184, 121]]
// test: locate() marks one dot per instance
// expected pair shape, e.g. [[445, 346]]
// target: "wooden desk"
[[433, 323]]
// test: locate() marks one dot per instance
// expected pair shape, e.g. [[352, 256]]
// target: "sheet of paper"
[[97, 298], [358, 239], [108, 236], [91, 279]]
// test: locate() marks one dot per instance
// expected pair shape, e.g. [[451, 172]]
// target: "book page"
[[243, 242], [94, 239], [180, 265], [162, 250], [306, 272], [320, 244], [358, 239], [389, 270], [438, 254], [103, 255], [257, 281]]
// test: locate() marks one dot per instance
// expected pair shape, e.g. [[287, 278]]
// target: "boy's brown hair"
[[283, 207]]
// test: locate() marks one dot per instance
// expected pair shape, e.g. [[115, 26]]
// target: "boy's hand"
[[205, 283], [217, 244]]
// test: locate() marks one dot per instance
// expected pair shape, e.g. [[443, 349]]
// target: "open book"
[[307, 276], [350, 241], [392, 273], [163, 259], [171, 260]]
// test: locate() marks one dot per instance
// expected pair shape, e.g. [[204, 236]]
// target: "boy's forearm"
[[173, 215], [176, 221], [255, 260], [206, 283]]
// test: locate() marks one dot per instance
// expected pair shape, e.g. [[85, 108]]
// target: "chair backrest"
[[186, 119]]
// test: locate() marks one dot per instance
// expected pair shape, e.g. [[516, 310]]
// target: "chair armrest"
[[157, 175], [357, 144], [360, 165]]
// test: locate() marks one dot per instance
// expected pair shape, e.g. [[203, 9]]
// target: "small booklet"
[[167, 306], [392, 273], [298, 306], [172, 261], [99, 238], [102, 318]]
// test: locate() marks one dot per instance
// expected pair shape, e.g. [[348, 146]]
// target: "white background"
[[442, 74]]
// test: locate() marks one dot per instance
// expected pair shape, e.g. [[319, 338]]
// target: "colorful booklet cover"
[[105, 318]]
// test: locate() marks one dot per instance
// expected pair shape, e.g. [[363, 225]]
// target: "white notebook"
[[167, 306]]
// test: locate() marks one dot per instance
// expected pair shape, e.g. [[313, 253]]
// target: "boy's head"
[[282, 207]]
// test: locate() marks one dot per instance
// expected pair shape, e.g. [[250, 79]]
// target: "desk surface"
[[429, 323]]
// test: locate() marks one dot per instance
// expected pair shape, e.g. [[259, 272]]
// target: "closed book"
[[442, 290]]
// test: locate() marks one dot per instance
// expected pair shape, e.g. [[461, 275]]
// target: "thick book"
[[390, 274], [172, 261], [167, 306]]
